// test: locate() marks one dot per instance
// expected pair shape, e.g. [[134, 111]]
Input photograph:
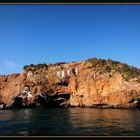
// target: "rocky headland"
[[92, 83]]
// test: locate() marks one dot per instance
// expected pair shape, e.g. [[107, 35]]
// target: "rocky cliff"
[[91, 83]]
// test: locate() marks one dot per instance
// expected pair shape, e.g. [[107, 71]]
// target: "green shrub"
[[34, 67], [106, 66]]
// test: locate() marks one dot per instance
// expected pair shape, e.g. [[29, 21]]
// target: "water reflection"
[[106, 121], [70, 122]]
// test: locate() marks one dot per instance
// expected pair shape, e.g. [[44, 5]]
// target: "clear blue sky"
[[31, 34]]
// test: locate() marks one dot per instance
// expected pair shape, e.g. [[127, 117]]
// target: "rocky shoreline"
[[96, 83], [26, 99]]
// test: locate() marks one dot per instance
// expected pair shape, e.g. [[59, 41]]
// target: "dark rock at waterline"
[[26, 99]]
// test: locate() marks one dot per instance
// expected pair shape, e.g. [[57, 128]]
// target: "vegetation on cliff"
[[38, 66], [101, 65], [108, 66], [34, 66]]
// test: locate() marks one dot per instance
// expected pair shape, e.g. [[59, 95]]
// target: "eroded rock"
[[91, 83]]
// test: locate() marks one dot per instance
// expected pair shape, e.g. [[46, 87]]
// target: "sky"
[[50, 33]]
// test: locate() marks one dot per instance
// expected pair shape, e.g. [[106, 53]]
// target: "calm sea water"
[[70, 122]]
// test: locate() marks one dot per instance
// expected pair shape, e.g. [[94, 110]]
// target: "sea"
[[70, 122]]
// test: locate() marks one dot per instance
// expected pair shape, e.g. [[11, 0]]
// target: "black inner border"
[[69, 2]]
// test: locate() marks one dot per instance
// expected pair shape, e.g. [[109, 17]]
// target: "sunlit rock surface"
[[91, 83]]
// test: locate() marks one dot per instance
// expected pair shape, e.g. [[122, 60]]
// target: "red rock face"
[[86, 87]]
